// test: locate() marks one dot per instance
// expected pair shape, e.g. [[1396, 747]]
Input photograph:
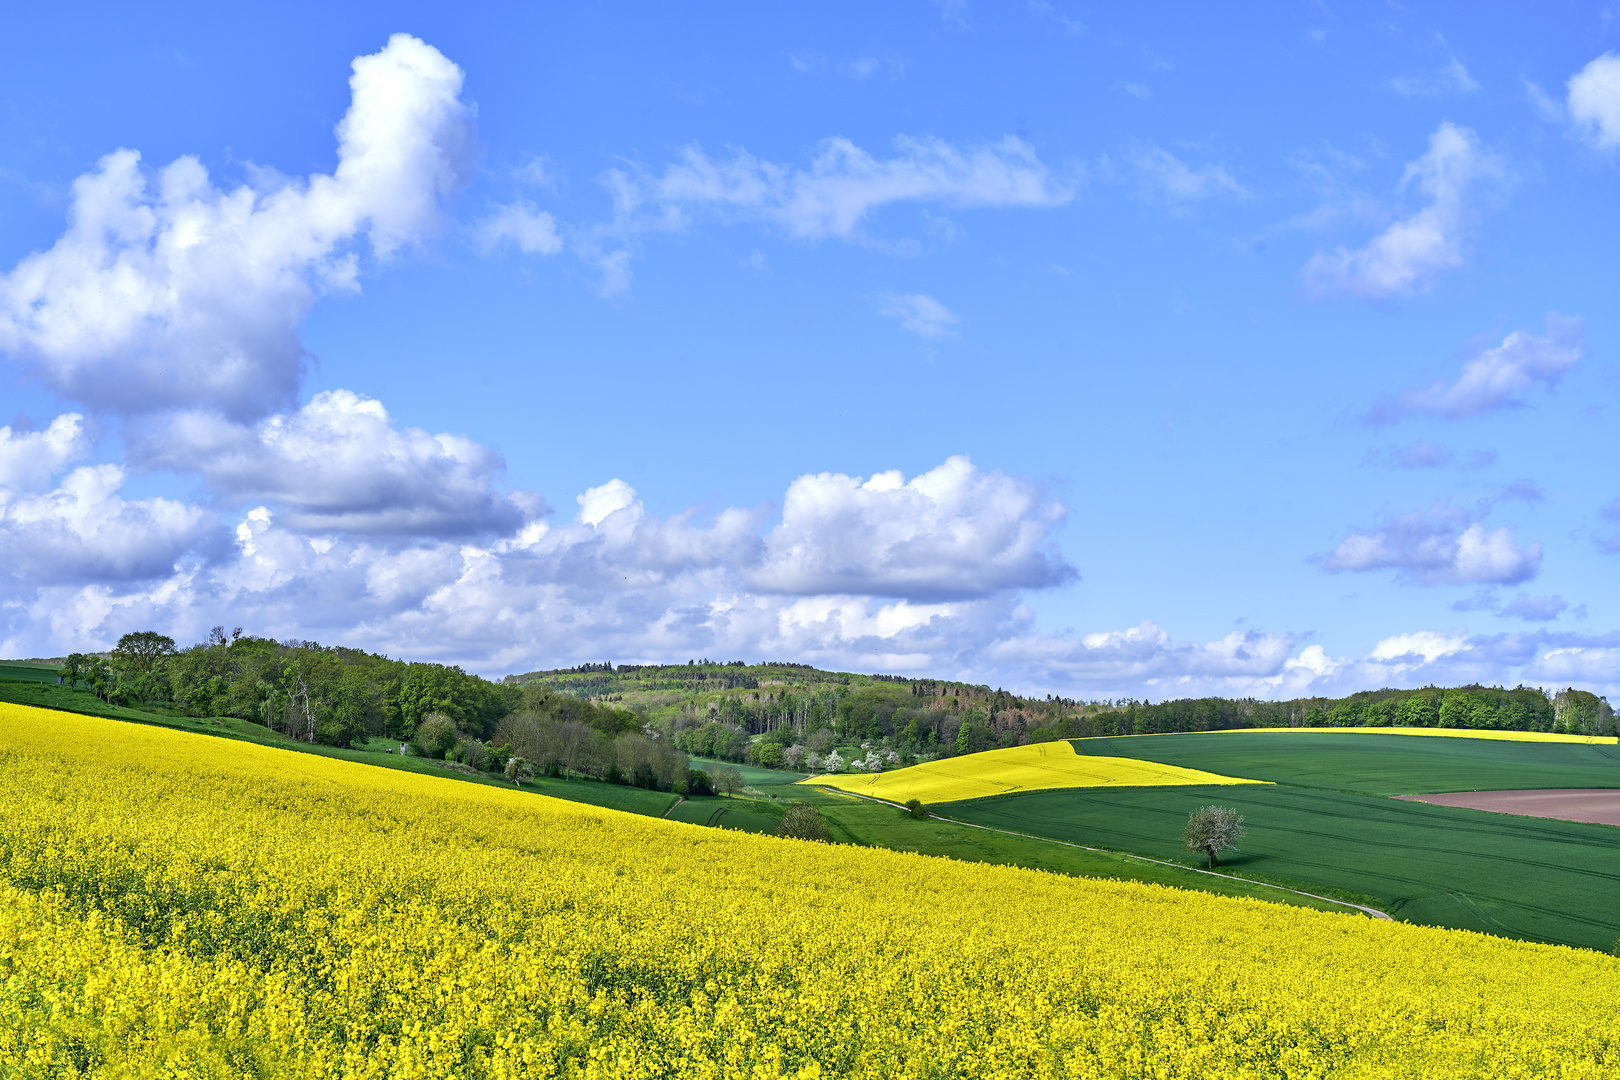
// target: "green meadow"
[[1327, 826], [1375, 764]]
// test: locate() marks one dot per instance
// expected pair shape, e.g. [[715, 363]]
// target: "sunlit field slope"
[[1445, 733], [1036, 767], [182, 906], [1376, 764]]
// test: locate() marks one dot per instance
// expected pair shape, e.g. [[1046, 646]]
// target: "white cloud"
[[1426, 644], [1166, 177], [1145, 655], [1412, 252], [949, 550], [839, 190], [1450, 78], [635, 587], [340, 465], [1499, 377], [83, 531], [952, 532], [1534, 608], [30, 459], [528, 228], [1439, 547], [921, 314], [598, 502], [1589, 665], [1594, 102], [167, 291]]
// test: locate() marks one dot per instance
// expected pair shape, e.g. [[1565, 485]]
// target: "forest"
[[641, 723]]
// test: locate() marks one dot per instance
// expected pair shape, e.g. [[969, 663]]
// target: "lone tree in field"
[[1212, 830]]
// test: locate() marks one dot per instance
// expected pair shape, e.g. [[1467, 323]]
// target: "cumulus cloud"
[[1588, 665], [84, 531], [1146, 655], [919, 313], [1439, 547], [1163, 176], [1410, 254], [1146, 661], [1594, 102], [1534, 608], [841, 187], [883, 568], [524, 226], [166, 291], [29, 460], [339, 464], [631, 586], [596, 503], [950, 533], [1496, 378]]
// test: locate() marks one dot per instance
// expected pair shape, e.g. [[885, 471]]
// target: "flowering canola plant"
[[1036, 767], [1454, 733], [174, 905]]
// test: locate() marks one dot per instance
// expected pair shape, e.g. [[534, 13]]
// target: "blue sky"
[[1151, 352]]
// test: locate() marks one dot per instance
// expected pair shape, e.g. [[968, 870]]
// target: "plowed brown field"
[[1600, 805]]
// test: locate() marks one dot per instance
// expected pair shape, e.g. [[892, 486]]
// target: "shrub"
[[435, 735], [918, 810], [803, 822]]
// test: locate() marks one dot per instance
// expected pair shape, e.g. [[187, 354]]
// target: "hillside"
[[372, 923], [770, 715]]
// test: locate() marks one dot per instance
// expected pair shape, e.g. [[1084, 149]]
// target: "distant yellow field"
[[1456, 733], [1036, 767]]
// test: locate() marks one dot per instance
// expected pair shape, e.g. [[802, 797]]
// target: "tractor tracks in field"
[[1371, 911]]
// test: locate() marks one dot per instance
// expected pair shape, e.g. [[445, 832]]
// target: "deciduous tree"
[[1212, 830]]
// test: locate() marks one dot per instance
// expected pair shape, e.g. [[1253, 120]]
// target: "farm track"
[[1371, 911]]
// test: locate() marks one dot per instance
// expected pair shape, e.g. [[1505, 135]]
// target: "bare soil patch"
[[1600, 805]]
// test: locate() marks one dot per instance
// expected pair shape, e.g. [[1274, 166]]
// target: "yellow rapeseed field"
[[1036, 767], [1456, 733], [180, 906]]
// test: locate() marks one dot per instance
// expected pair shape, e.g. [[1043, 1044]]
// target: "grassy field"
[[1529, 878], [22, 671], [739, 815], [752, 776], [1375, 764], [853, 820]]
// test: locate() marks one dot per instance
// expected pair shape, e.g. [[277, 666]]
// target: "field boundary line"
[[1372, 911]]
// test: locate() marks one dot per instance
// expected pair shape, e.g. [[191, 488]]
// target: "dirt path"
[[678, 800], [1374, 912]]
